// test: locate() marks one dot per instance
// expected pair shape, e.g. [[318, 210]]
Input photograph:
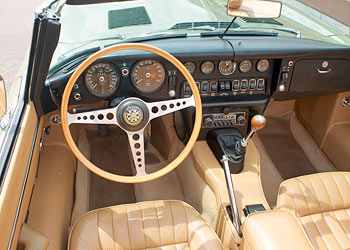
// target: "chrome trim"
[[92, 117], [324, 71], [170, 106], [231, 193], [24, 185], [138, 152]]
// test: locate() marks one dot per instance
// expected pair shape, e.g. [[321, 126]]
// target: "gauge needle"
[[93, 87], [139, 81]]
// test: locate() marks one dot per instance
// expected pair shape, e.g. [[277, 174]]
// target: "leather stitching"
[[327, 191], [319, 233], [172, 219], [127, 223], [114, 239], [143, 225], [292, 196], [188, 229], [303, 194], [333, 235], [97, 231], [316, 198], [340, 224], [340, 193], [157, 219]]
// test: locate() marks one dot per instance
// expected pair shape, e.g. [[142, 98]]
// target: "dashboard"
[[236, 77]]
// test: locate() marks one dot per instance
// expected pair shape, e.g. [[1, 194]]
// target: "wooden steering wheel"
[[132, 115]]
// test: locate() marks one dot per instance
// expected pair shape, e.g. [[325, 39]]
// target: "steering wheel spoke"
[[157, 109], [137, 146], [101, 116]]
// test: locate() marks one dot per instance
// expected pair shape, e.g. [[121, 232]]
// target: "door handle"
[[324, 71]]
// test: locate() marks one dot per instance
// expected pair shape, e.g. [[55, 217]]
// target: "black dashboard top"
[[213, 58]]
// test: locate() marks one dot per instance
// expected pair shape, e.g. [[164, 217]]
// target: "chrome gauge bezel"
[[193, 65], [212, 67], [110, 92], [232, 69], [263, 61], [134, 82], [246, 70]]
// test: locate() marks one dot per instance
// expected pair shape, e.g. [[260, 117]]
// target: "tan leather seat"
[[146, 225], [322, 204]]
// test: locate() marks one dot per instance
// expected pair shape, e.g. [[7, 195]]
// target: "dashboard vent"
[[191, 25], [261, 20]]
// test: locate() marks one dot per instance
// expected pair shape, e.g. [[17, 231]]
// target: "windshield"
[[88, 26]]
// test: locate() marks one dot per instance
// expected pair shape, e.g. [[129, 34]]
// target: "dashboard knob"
[[171, 93], [241, 120], [208, 122], [77, 96], [282, 88]]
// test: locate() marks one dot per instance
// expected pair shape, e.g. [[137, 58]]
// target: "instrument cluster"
[[158, 79]]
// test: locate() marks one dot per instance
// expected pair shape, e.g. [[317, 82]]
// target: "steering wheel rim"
[[131, 179]]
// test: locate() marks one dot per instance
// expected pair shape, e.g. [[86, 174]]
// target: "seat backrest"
[[316, 193]]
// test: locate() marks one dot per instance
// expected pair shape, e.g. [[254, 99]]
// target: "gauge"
[[245, 66], [227, 67], [263, 65], [191, 67], [207, 67], [102, 79], [147, 76]]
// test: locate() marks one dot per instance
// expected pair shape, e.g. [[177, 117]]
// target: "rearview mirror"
[[254, 8], [2, 97]]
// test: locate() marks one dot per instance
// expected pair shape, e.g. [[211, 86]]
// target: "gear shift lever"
[[258, 122]]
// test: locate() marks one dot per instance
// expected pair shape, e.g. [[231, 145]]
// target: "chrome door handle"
[[324, 71]]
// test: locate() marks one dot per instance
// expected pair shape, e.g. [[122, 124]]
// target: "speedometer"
[[102, 79], [147, 76]]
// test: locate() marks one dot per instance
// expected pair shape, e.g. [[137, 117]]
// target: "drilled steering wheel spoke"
[[101, 116], [136, 141], [157, 109]]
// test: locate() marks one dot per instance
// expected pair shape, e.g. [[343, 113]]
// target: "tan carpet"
[[111, 154], [284, 151]]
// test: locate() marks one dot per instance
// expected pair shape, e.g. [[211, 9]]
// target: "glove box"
[[321, 75]]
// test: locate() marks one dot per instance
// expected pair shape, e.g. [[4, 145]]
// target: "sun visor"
[[83, 2]]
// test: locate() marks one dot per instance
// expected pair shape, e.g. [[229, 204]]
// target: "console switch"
[[261, 84], [252, 84], [205, 87], [235, 85], [213, 86], [244, 85]]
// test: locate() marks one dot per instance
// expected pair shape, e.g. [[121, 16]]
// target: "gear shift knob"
[[258, 122]]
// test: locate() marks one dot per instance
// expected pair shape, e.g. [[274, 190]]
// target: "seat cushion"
[[146, 225], [322, 204]]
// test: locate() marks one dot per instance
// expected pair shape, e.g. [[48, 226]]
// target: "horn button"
[[132, 115]]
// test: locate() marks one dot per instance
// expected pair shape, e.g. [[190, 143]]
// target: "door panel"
[[19, 177]]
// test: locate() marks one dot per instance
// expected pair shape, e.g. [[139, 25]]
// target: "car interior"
[[192, 143]]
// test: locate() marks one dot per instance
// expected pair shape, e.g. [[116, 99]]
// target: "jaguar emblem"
[[133, 115]]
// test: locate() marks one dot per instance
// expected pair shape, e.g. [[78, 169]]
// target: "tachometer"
[[227, 67], [102, 79], [147, 76]]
